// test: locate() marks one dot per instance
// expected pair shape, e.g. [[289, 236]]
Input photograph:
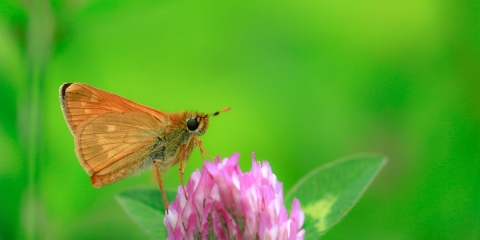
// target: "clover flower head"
[[225, 203]]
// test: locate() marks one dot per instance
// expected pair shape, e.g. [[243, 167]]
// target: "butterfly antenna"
[[218, 112]]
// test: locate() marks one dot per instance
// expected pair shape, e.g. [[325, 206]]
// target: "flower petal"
[[225, 203]]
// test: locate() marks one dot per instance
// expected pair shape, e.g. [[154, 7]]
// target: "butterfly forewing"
[[81, 102]]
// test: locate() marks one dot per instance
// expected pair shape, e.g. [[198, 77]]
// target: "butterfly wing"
[[115, 145], [81, 102], [114, 137]]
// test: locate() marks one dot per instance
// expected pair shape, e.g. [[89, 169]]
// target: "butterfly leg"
[[181, 168], [160, 184], [202, 150]]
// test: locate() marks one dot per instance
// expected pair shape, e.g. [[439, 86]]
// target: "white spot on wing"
[[110, 128]]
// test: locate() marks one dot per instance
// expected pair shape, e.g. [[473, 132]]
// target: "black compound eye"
[[192, 124]]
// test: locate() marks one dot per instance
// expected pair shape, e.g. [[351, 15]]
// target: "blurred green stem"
[[39, 38]]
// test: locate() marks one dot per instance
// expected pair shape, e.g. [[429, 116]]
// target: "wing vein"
[[129, 153], [77, 93], [121, 125], [105, 151], [83, 148]]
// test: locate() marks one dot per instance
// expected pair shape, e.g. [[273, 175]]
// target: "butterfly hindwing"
[[115, 145]]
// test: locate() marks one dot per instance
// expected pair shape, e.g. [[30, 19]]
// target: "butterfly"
[[115, 137]]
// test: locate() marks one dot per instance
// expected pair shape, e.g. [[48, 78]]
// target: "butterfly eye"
[[192, 124]]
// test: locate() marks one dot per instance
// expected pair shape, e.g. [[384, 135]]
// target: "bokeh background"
[[308, 82]]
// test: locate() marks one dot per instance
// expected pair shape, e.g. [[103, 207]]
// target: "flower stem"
[[39, 35]]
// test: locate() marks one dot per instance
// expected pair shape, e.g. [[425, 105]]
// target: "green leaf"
[[145, 206], [327, 193]]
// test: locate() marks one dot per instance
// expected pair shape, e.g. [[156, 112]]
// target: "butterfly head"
[[197, 123]]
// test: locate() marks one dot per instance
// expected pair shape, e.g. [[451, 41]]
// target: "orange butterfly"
[[115, 137]]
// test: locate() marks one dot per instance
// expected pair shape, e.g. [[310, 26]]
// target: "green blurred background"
[[308, 82]]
